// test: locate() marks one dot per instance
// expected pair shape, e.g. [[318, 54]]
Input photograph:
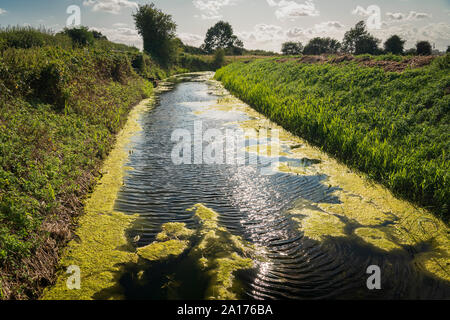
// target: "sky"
[[260, 24]]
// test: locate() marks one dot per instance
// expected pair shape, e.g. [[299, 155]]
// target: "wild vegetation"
[[63, 97], [61, 106], [221, 37], [394, 126]]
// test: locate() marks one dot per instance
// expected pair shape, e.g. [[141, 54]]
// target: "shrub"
[[423, 48], [28, 37], [219, 58], [394, 45], [292, 48]]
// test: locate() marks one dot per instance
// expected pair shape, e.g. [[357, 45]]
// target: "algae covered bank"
[[301, 226]]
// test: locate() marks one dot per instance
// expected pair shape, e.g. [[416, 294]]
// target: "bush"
[[319, 46], [394, 45], [292, 48], [219, 58], [196, 62], [28, 37], [81, 36], [3, 44], [423, 48]]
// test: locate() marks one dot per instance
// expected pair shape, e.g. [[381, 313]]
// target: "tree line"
[[356, 41], [158, 31]]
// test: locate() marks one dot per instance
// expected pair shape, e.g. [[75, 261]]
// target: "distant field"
[[394, 126]]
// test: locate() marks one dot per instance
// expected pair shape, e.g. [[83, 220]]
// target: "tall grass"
[[393, 126], [29, 37], [59, 111]]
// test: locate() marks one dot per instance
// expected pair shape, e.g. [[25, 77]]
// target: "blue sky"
[[261, 24]]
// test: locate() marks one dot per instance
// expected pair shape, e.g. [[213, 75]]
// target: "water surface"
[[270, 211]]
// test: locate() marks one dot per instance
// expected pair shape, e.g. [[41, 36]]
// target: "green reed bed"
[[393, 126]]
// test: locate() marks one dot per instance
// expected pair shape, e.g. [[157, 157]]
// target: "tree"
[[219, 58], [319, 46], [292, 48], [359, 41], [448, 49], [81, 36], [367, 44], [423, 48], [158, 32], [238, 47], [394, 45], [221, 36], [98, 35]]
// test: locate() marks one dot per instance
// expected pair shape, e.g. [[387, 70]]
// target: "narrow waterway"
[[309, 235]]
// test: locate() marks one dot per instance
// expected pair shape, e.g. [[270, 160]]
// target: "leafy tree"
[[292, 48], [319, 46], [81, 36], [238, 47], [448, 49], [98, 35], [221, 36], [394, 45], [359, 41], [158, 32], [423, 48], [367, 45]]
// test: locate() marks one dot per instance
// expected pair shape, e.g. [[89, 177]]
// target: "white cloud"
[[110, 6], [360, 11], [435, 33], [333, 29], [211, 8], [263, 36], [270, 37], [395, 16], [263, 33], [123, 35], [191, 39], [418, 15], [120, 24], [413, 15], [2, 11], [292, 9]]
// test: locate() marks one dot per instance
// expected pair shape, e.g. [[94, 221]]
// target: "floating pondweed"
[[171, 242], [162, 250], [221, 255], [174, 230]]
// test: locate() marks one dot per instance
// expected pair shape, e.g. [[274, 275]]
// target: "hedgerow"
[[60, 109]]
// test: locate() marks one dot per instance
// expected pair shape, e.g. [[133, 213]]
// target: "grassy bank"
[[60, 108], [394, 126]]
